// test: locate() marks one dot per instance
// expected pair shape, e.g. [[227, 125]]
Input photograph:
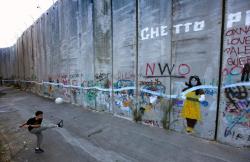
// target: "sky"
[[18, 15]]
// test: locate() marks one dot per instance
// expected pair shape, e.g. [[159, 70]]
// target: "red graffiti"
[[238, 61], [151, 69], [155, 82], [234, 70], [183, 69], [236, 41], [238, 31], [152, 122], [238, 50]]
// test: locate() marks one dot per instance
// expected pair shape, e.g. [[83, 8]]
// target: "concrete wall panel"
[[102, 53], [124, 56], [234, 114], [154, 59], [196, 30], [87, 52]]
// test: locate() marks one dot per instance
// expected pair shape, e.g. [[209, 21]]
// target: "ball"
[[58, 100]]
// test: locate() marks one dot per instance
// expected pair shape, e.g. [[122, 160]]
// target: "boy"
[[34, 127]]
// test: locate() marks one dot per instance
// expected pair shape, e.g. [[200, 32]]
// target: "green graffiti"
[[90, 95]]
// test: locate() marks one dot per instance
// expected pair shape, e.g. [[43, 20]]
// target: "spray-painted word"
[[183, 69], [236, 17], [154, 32]]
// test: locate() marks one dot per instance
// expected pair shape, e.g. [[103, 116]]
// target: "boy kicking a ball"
[[34, 126]]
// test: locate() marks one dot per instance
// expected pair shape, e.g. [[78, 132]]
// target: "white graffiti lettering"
[[236, 17], [159, 31]]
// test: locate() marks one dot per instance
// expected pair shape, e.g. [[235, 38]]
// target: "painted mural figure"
[[191, 108], [245, 73]]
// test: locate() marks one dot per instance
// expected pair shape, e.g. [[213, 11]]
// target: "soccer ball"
[[58, 100]]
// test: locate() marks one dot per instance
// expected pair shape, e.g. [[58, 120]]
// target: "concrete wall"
[[154, 58], [234, 112], [124, 56], [196, 31], [103, 53], [88, 52]]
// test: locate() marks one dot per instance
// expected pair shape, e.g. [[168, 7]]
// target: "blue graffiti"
[[204, 103], [235, 121], [124, 83], [159, 88]]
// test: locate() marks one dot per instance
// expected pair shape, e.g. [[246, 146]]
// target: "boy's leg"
[[45, 125], [39, 139], [192, 122], [42, 128], [39, 135], [189, 125]]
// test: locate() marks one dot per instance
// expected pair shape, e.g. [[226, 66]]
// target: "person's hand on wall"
[[183, 97], [152, 99], [202, 98]]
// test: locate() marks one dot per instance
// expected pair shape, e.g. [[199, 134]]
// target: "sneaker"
[[188, 130], [37, 150], [41, 150], [60, 124]]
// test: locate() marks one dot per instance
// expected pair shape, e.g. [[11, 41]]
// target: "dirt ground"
[[12, 139], [4, 151]]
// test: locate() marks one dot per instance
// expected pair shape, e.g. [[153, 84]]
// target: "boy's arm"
[[25, 125], [35, 126]]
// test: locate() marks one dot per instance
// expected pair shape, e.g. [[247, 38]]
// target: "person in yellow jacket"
[[191, 108]]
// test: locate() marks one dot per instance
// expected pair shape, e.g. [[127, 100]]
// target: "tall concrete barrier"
[[196, 52], [154, 59], [124, 56], [181, 64], [234, 121]]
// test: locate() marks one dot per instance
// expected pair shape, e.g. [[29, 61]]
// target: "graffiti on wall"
[[237, 50], [234, 18], [103, 98], [161, 31], [125, 75], [89, 95], [237, 113], [75, 93], [166, 70], [124, 99], [151, 104], [48, 88], [238, 55], [237, 45]]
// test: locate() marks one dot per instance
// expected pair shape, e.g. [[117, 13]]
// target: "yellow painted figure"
[[191, 108]]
